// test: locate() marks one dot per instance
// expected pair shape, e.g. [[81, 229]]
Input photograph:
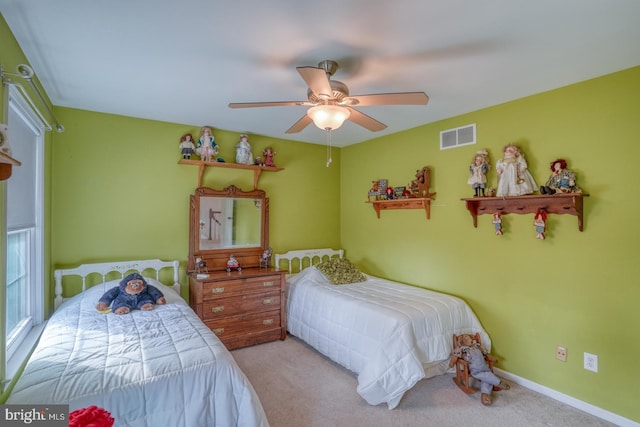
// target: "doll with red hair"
[[561, 180], [540, 221]]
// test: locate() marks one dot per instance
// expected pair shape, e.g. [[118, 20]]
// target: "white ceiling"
[[184, 61]]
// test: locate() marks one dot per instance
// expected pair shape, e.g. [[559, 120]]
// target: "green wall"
[[576, 289], [119, 192]]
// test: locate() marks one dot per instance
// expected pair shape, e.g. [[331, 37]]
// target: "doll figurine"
[[265, 258], [497, 223], [233, 264], [243, 151], [206, 147], [187, 147], [201, 266], [561, 180], [514, 179], [472, 352], [478, 172], [390, 193], [539, 221], [269, 154]]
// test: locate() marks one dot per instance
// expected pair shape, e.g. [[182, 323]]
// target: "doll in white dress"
[[206, 147], [478, 172], [514, 179], [243, 151]]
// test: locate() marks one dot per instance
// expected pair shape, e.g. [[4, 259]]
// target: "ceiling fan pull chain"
[[329, 160]]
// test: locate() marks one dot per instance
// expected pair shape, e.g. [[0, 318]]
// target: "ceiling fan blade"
[[267, 104], [401, 98], [300, 124], [365, 121], [317, 80]]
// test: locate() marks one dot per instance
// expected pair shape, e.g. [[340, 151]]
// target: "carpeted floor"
[[299, 387]]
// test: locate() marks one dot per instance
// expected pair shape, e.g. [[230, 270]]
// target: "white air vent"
[[457, 137]]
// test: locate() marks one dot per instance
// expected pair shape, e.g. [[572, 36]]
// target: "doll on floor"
[[471, 351]]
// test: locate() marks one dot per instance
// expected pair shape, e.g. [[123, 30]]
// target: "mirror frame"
[[216, 259]]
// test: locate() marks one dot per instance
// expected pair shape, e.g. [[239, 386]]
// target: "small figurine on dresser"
[[497, 223], [244, 155], [514, 179], [187, 147], [265, 258], [233, 264], [206, 147], [539, 221], [478, 172], [561, 180], [201, 266], [269, 154]]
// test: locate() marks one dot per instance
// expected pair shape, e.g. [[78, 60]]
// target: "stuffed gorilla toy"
[[132, 293]]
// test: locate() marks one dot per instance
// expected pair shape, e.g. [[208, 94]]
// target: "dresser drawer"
[[243, 324], [231, 287], [252, 338], [255, 303]]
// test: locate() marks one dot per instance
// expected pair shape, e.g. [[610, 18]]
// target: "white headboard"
[[313, 256], [120, 267]]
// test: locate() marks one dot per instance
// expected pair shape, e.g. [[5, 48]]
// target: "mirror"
[[225, 222], [229, 222]]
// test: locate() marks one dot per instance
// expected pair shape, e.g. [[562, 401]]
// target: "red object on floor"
[[90, 417]]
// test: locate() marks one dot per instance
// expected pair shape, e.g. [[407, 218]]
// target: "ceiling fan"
[[331, 104]]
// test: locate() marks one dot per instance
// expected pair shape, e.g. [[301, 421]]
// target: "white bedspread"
[[390, 334], [162, 367]]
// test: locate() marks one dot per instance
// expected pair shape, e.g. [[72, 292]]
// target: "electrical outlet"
[[561, 353], [591, 362]]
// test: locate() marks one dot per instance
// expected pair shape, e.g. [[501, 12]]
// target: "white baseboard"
[[571, 401]]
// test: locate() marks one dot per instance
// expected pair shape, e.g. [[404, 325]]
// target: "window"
[[18, 315], [23, 237]]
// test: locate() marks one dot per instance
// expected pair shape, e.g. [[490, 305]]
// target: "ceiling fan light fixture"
[[328, 117]]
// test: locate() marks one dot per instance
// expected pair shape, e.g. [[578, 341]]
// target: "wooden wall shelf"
[[566, 203], [410, 203], [6, 165], [257, 170]]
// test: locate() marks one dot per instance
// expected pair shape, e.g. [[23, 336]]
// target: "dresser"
[[242, 308]]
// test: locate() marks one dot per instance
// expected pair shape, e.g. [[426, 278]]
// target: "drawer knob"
[[218, 309], [268, 284], [267, 322], [217, 290], [267, 301], [218, 331]]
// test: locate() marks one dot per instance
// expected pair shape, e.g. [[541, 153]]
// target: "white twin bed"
[[161, 367], [165, 367], [390, 334]]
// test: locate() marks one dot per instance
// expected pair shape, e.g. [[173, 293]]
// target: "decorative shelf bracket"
[[257, 169], [6, 166], [410, 203], [565, 203]]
